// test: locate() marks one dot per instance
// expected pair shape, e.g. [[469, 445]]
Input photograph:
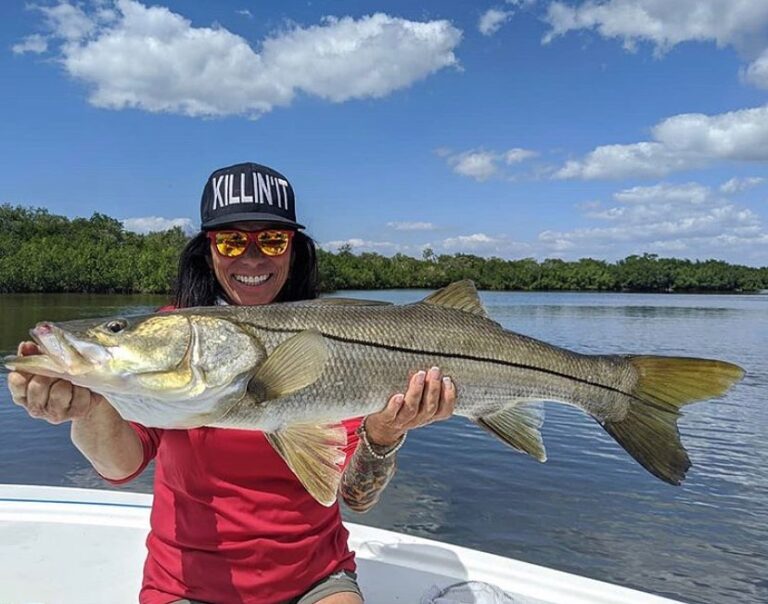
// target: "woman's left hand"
[[430, 397]]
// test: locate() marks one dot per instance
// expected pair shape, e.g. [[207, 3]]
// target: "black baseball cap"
[[247, 192]]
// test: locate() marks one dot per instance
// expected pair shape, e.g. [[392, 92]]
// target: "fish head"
[[105, 354], [163, 370]]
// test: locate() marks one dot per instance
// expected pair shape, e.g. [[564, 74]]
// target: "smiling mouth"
[[252, 280]]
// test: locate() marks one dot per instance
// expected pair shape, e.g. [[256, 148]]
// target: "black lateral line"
[[450, 355]]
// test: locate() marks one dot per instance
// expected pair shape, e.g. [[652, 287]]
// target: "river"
[[590, 509]]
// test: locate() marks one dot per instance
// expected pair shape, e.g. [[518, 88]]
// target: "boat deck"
[[80, 546]]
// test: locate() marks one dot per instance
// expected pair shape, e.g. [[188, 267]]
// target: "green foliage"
[[42, 252], [646, 273]]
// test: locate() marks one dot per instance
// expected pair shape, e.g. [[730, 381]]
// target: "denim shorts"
[[340, 582]]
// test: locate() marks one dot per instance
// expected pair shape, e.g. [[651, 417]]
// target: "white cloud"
[[737, 185], [363, 245], [492, 19], [681, 142], [665, 23], [645, 160], [482, 165], [477, 239], [738, 135], [69, 21], [481, 243], [756, 72], [149, 224], [517, 155], [691, 192], [688, 219], [245, 12], [153, 59], [35, 43], [477, 243], [680, 219], [412, 226], [742, 24]]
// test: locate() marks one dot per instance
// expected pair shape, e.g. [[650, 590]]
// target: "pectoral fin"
[[518, 426], [294, 364], [313, 453]]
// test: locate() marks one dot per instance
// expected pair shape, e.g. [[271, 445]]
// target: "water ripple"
[[590, 509]]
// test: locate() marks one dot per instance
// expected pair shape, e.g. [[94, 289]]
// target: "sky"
[[517, 128]]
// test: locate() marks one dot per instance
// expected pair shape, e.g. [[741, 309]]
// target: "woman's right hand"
[[98, 431], [53, 399]]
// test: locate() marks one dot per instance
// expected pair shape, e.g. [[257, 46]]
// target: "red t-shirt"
[[230, 522]]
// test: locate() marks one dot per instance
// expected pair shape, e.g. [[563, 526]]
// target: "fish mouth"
[[61, 354]]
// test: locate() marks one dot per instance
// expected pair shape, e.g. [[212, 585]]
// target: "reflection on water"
[[20, 312], [590, 509]]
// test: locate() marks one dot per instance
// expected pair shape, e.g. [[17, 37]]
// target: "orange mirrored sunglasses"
[[232, 243]]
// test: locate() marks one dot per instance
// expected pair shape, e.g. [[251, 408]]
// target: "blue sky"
[[527, 128]]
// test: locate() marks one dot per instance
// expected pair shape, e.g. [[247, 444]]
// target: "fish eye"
[[117, 325]]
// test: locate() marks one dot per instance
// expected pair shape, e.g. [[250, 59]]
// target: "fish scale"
[[293, 370], [372, 349]]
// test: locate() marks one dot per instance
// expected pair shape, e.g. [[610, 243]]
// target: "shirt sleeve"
[[150, 440], [351, 425]]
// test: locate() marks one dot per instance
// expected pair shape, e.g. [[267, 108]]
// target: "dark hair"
[[196, 283]]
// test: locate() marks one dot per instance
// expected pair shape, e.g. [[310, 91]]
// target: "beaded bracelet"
[[380, 456]]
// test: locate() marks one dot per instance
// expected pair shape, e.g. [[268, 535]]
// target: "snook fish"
[[294, 370]]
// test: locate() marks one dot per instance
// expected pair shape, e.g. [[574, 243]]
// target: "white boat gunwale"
[[388, 560]]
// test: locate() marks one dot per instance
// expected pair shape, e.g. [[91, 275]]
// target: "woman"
[[230, 523]]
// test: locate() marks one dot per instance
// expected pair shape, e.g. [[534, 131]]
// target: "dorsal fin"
[[461, 295]]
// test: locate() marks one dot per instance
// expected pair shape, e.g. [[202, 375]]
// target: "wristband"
[[380, 456]]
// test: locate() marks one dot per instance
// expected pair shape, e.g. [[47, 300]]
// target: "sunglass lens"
[[273, 243], [231, 244]]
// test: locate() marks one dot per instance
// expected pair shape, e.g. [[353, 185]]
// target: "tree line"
[[43, 252]]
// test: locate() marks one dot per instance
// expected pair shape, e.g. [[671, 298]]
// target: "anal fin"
[[519, 426], [313, 452]]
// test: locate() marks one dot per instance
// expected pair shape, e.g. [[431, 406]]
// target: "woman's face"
[[251, 278]]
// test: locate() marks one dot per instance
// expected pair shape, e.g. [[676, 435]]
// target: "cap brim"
[[250, 217]]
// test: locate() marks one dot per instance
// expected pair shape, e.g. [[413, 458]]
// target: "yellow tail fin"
[[665, 384]]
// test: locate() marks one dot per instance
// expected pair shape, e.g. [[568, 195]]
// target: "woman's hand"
[[98, 431], [430, 397], [52, 399]]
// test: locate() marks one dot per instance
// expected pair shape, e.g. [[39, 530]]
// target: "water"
[[590, 509]]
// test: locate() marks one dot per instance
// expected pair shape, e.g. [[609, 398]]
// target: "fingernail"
[[434, 372], [447, 382], [420, 377], [399, 398]]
